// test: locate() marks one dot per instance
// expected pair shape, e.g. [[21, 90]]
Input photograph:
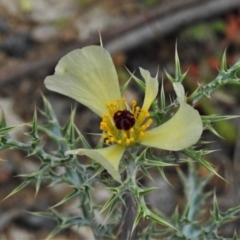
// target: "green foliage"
[[203, 31], [61, 23], [191, 223]]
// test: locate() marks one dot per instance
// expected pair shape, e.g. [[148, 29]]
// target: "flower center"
[[124, 126], [123, 120]]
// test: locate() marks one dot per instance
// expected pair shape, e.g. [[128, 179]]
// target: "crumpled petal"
[[151, 88], [183, 130], [88, 75], [108, 157]]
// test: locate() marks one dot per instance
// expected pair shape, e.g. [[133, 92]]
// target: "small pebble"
[[44, 33]]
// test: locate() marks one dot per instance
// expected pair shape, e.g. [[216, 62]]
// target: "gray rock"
[[16, 44], [49, 11], [4, 25], [164, 198]]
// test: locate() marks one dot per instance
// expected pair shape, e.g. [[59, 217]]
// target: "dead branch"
[[140, 29]]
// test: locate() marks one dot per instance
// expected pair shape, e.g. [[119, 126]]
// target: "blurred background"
[[35, 34]]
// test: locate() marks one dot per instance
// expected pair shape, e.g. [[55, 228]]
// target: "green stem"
[[86, 208], [88, 214], [129, 213], [225, 76], [129, 210]]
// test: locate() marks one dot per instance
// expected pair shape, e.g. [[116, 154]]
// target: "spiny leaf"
[[48, 111], [5, 130], [223, 67], [162, 97], [38, 184], [211, 129], [177, 64], [3, 123], [215, 210], [110, 205], [137, 219], [69, 130], [145, 172], [146, 191], [125, 85], [231, 213], [154, 163], [169, 77], [209, 167], [45, 215], [197, 157], [17, 189], [57, 230], [181, 175], [175, 216], [179, 77], [83, 140], [161, 171], [159, 220], [139, 82], [235, 236], [67, 198], [216, 118], [98, 172], [145, 212], [34, 132], [110, 202], [86, 190]]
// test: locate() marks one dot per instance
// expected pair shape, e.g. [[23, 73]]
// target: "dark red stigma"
[[124, 120]]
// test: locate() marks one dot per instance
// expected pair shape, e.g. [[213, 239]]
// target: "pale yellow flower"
[[89, 76]]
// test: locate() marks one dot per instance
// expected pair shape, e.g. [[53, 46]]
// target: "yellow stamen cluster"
[[126, 138]]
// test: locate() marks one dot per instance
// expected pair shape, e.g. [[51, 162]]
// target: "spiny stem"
[[225, 76], [129, 212]]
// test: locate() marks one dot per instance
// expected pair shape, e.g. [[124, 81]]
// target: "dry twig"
[[160, 21]]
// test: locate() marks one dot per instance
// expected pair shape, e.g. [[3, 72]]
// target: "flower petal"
[[179, 90], [183, 130], [88, 75], [151, 88], [108, 157]]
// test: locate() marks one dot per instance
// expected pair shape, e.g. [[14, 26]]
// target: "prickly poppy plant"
[[126, 152], [89, 76]]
